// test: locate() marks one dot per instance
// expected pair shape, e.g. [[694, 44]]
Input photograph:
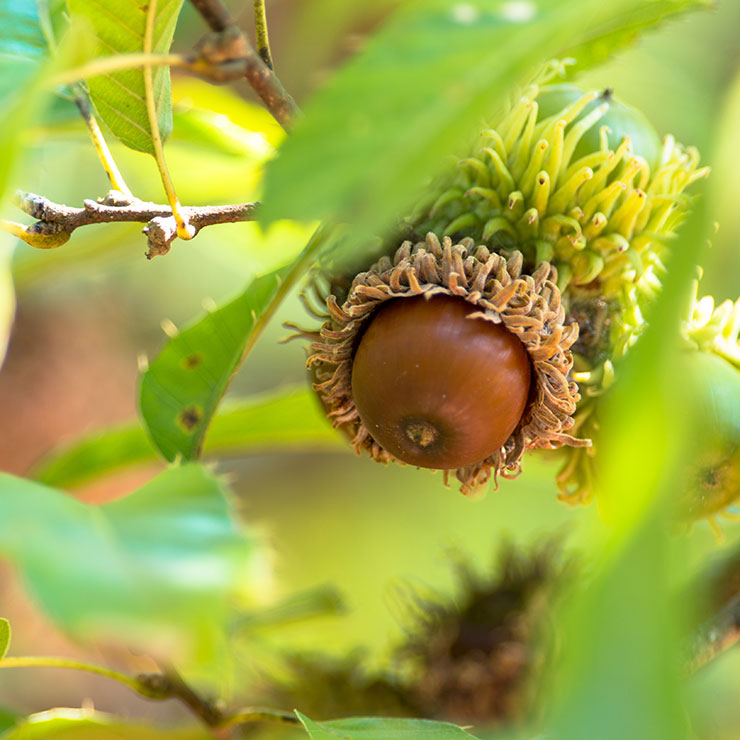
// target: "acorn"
[[448, 356], [459, 349]]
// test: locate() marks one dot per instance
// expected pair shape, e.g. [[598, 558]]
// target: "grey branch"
[[160, 229]]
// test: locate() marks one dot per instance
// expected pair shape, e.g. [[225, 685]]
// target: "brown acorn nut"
[[437, 387], [369, 389]]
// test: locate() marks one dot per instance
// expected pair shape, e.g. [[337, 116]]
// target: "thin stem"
[[318, 239], [209, 713], [257, 714], [160, 686], [116, 63], [214, 13], [101, 147], [184, 231], [36, 662], [263, 40]]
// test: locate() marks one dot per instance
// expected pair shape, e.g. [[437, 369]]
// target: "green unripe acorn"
[[555, 215], [712, 479], [620, 119]]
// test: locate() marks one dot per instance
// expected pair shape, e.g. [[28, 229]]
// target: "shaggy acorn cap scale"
[[367, 379]]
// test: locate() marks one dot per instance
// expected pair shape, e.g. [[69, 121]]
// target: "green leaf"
[[389, 118], [622, 635], [8, 719], [119, 97], [83, 724], [25, 84], [7, 301], [183, 385], [20, 30], [378, 728], [162, 563], [601, 42], [4, 637], [287, 420]]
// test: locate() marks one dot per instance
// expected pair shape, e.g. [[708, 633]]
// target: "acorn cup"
[[521, 277]]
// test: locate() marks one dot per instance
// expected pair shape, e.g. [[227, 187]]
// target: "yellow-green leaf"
[[120, 97]]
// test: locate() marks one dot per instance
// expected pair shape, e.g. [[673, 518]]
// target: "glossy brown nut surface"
[[438, 389]]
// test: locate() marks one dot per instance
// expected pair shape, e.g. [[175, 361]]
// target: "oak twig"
[[717, 626], [226, 54], [714, 636], [162, 686], [56, 222]]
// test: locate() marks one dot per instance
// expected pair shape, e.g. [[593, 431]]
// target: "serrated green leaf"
[[379, 728], [373, 135], [600, 43], [183, 385], [287, 420], [120, 97], [83, 724], [163, 563], [4, 636]]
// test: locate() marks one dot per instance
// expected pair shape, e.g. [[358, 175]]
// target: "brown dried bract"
[[527, 305]]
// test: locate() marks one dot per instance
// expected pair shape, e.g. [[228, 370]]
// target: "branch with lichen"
[[56, 222]]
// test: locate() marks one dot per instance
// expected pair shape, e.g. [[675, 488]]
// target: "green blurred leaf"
[[602, 41], [119, 97], [7, 301], [24, 25], [621, 639], [378, 728], [4, 636], [215, 133], [163, 562], [183, 385], [82, 724], [27, 99], [287, 420], [388, 119], [8, 719], [20, 30]]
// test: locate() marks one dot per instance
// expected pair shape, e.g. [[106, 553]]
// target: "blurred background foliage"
[[87, 311]]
